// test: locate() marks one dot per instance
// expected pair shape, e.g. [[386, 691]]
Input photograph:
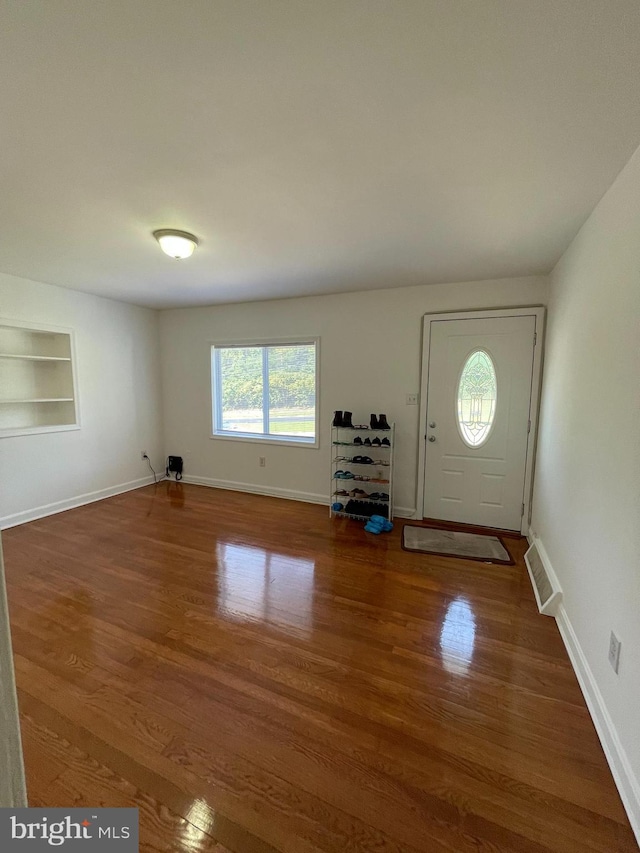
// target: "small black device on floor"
[[174, 464]]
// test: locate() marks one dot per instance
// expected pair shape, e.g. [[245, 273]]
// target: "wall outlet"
[[143, 454], [262, 461], [412, 399], [614, 652]]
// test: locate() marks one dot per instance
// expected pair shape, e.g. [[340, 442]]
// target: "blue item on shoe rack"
[[337, 506]]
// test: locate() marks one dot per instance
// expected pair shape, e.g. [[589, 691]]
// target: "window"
[[265, 391], [476, 401]]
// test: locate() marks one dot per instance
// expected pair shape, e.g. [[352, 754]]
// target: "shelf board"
[[363, 428], [11, 432], [353, 515], [377, 482], [361, 498], [34, 357], [378, 464], [366, 446], [39, 400]]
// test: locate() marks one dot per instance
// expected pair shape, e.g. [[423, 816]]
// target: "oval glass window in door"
[[476, 399]]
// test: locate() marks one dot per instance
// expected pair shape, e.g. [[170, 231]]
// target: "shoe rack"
[[362, 466]]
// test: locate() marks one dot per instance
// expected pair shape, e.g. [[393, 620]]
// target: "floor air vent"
[[543, 580]]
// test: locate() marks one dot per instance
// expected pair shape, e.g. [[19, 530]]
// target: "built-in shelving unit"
[[367, 485], [37, 379]]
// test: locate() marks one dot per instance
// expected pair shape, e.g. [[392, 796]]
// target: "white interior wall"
[[587, 492], [370, 351], [118, 373]]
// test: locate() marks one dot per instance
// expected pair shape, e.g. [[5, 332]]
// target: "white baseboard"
[[71, 503], [275, 492], [404, 512], [619, 763], [254, 489]]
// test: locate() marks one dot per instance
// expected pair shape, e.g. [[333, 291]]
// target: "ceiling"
[[314, 146]]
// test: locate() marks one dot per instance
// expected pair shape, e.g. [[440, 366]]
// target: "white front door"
[[478, 391]]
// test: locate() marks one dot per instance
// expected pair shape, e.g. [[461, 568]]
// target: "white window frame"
[[262, 438]]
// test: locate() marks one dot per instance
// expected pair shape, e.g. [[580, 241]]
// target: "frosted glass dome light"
[[176, 244]]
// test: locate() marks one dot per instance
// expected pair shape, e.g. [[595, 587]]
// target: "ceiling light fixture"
[[176, 244]]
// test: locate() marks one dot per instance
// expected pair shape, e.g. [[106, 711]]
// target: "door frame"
[[539, 313]]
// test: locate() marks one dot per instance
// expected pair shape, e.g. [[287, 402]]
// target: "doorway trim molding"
[[13, 792], [537, 311]]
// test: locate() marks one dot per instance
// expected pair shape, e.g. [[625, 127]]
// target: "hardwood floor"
[[256, 677]]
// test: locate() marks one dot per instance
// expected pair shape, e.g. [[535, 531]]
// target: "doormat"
[[453, 543]]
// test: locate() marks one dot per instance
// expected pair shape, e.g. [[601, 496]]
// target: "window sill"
[[262, 439]]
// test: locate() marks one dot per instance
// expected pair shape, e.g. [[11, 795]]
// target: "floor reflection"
[[258, 585], [175, 493], [457, 637], [196, 833]]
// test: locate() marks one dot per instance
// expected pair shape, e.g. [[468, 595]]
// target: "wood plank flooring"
[[256, 677]]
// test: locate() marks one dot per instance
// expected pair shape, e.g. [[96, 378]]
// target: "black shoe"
[[357, 440], [382, 422], [337, 419], [385, 442], [376, 442], [374, 422], [346, 420], [367, 442]]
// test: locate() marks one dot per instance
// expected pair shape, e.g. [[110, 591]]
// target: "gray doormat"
[[453, 543]]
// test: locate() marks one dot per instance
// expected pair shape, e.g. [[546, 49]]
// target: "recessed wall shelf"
[[37, 379]]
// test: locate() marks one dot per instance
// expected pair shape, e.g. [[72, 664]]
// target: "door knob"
[[432, 438]]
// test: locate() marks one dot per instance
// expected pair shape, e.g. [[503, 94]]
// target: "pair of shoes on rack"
[[342, 419], [363, 507], [379, 422], [369, 443], [343, 475], [378, 524], [362, 460], [378, 496]]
